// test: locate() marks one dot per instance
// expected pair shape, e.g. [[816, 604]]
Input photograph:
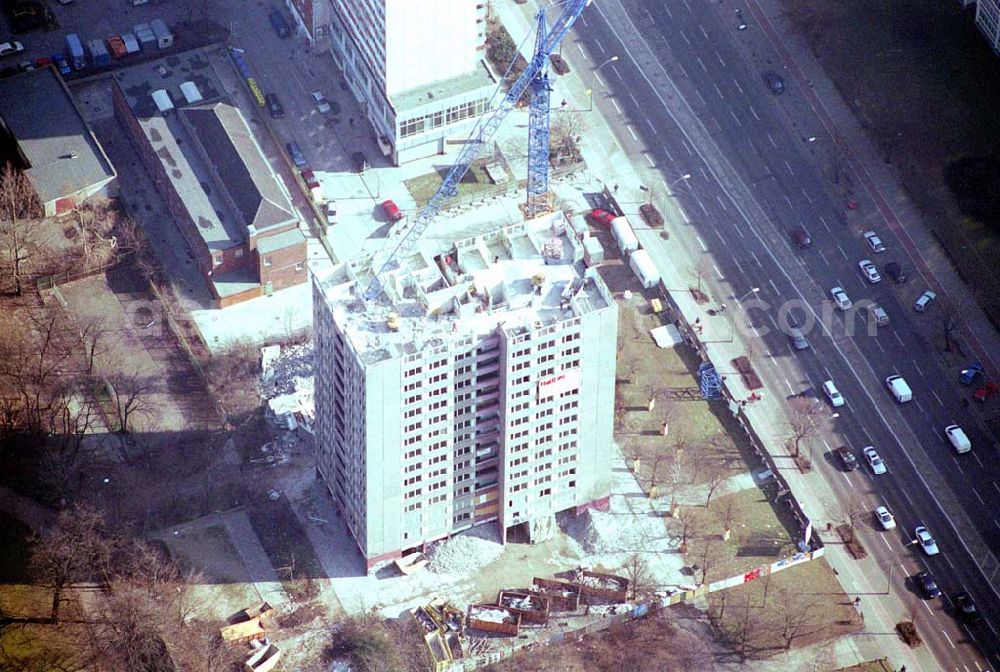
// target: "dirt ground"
[[883, 56]]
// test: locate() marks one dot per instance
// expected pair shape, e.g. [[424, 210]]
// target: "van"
[[833, 394], [899, 389], [959, 441]]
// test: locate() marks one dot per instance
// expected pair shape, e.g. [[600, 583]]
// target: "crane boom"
[[481, 135]]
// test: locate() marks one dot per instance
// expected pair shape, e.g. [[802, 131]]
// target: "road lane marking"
[[615, 103], [720, 60], [614, 69], [702, 64], [773, 143], [718, 272], [683, 70], [687, 5], [670, 157], [631, 132], [669, 13], [788, 201], [600, 81], [754, 112], [738, 87], [687, 147], [582, 52], [630, 95], [996, 486], [703, 173], [651, 127], [735, 118], [976, 457], [978, 496], [825, 224], [823, 257], [948, 560], [774, 362], [719, 235], [737, 262], [947, 637], [752, 254], [721, 202], [847, 479], [702, 29], [702, 206], [917, 367], [907, 497], [702, 243], [650, 159], [896, 334], [600, 46], [789, 167], [924, 602], [955, 460], [919, 405], [941, 403], [806, 194], [844, 254], [791, 390], [886, 542], [879, 345], [774, 287]]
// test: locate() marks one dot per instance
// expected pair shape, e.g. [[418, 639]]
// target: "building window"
[[299, 268], [267, 261], [218, 260], [239, 253]]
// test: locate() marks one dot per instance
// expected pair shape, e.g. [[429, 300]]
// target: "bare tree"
[[727, 513], [19, 224], [131, 393], [127, 633], [806, 418], [851, 512], [690, 527], [564, 138], [800, 617], [93, 335], [714, 472], [77, 548], [708, 557], [131, 239], [639, 576], [700, 271]]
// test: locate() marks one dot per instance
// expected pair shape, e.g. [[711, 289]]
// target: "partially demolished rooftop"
[[523, 277]]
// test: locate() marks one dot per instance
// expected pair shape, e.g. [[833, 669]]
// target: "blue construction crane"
[[534, 76]]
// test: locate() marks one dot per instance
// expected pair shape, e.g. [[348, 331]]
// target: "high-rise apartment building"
[[478, 389], [416, 67], [988, 22]]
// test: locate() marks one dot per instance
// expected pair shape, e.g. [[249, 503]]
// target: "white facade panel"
[[428, 42]]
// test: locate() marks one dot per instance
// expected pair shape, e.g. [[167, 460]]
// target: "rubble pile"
[[492, 615], [466, 552], [287, 382]]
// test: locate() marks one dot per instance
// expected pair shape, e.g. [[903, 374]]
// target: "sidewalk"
[[605, 158]]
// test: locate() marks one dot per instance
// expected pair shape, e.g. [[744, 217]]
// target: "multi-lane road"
[[686, 97]]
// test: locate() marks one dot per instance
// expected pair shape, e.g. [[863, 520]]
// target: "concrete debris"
[[287, 383], [465, 552], [600, 582], [492, 615], [609, 609]]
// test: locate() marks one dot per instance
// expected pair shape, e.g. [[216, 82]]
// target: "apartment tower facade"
[[416, 68], [480, 390]]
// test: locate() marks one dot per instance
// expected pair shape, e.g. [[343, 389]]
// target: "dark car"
[[847, 459], [297, 158], [775, 83], [274, 106], [281, 26], [927, 585], [896, 272], [801, 238], [61, 63], [360, 161], [601, 217], [967, 610], [392, 211]]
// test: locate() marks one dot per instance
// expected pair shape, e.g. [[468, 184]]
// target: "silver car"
[[869, 271], [925, 540]]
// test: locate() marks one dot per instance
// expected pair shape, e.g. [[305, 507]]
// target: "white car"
[[958, 438], [840, 298], [833, 394], [321, 104], [874, 242], [874, 461], [869, 271], [12, 47], [331, 212], [926, 541], [920, 305], [885, 518]]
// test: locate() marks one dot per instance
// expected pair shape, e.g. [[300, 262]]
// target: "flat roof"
[[279, 241], [62, 153], [441, 92], [525, 276]]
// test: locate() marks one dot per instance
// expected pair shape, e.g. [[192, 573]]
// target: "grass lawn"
[[422, 188], [285, 543], [799, 606]]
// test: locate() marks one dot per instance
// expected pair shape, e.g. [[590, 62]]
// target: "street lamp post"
[[755, 290], [682, 178], [590, 91]]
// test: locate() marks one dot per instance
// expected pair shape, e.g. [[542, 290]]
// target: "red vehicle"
[[116, 46], [985, 392], [392, 211], [310, 178], [601, 217]]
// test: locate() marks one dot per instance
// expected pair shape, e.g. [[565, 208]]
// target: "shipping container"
[[164, 38]]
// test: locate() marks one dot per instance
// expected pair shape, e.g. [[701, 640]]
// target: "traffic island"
[[908, 633]]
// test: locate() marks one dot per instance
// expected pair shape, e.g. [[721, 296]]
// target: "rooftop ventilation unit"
[[162, 100], [191, 93]]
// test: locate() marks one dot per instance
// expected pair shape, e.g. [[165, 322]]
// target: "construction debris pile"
[[287, 383], [466, 552], [247, 626], [494, 615]]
